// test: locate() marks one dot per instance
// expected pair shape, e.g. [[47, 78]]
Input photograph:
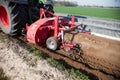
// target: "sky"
[[106, 3]]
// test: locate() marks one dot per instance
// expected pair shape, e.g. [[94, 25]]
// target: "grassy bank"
[[113, 13]]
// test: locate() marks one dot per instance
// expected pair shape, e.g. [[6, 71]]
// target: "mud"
[[99, 54]]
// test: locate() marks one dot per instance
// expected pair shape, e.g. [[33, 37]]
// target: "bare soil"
[[100, 55], [99, 58]]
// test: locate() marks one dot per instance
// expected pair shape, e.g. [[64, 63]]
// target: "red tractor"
[[43, 27]]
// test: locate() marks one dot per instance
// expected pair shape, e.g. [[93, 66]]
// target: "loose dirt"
[[20, 64], [99, 54]]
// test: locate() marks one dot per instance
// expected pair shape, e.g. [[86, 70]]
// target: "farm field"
[[112, 13], [90, 58], [96, 51]]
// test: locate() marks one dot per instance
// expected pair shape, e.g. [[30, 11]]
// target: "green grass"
[[113, 13], [2, 75], [72, 71]]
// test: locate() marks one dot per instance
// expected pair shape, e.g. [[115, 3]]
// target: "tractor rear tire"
[[52, 43], [10, 18]]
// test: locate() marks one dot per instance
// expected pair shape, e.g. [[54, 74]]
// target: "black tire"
[[52, 43], [14, 19]]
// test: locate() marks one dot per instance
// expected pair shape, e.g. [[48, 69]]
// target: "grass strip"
[[112, 13], [72, 71]]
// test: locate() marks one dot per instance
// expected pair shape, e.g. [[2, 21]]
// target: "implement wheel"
[[52, 43]]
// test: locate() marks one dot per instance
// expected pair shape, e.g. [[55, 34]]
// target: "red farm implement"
[[49, 29], [45, 27]]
